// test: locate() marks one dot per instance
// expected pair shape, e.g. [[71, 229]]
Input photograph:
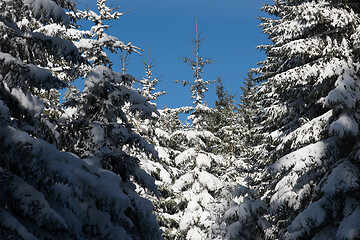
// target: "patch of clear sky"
[[232, 32]]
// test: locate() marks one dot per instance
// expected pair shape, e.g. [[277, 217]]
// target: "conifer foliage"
[[198, 186], [46, 193], [309, 92], [199, 86], [148, 83], [94, 42]]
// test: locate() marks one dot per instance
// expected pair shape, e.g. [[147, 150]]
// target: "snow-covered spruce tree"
[[28, 60], [309, 187], [227, 122], [98, 128], [221, 103], [198, 87], [249, 109], [198, 185], [148, 83], [147, 87], [97, 121], [162, 169], [169, 118], [45, 193], [234, 148], [243, 215]]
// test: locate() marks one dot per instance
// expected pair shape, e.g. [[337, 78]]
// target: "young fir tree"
[[162, 169], [221, 104], [249, 109], [227, 121], [233, 131], [46, 193], [199, 183], [309, 93], [148, 83], [198, 87]]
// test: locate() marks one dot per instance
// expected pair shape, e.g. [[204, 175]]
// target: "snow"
[[308, 133], [8, 221], [156, 167], [97, 133], [346, 92], [185, 156], [345, 125], [83, 186], [143, 178], [32, 104], [183, 181], [195, 234], [163, 153], [161, 133], [295, 186], [312, 217], [303, 158], [343, 178], [203, 161], [36, 75], [69, 113], [242, 211], [34, 205], [194, 138], [287, 193], [84, 44], [47, 9], [55, 29], [350, 226], [210, 181]]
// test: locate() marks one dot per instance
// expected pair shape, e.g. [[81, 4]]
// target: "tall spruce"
[[232, 130], [199, 86], [199, 186], [221, 104], [249, 109], [227, 121], [309, 92]]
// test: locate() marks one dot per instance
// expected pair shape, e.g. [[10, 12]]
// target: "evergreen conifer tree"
[[233, 131], [199, 184], [46, 193], [221, 104], [198, 87], [309, 93], [94, 42], [148, 83], [228, 122], [248, 110]]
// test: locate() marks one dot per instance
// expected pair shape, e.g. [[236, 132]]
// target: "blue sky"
[[231, 31]]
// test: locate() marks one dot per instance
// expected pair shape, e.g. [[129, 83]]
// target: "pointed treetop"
[[148, 83], [198, 87], [94, 42]]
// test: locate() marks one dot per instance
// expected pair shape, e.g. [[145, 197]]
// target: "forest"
[[103, 162]]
